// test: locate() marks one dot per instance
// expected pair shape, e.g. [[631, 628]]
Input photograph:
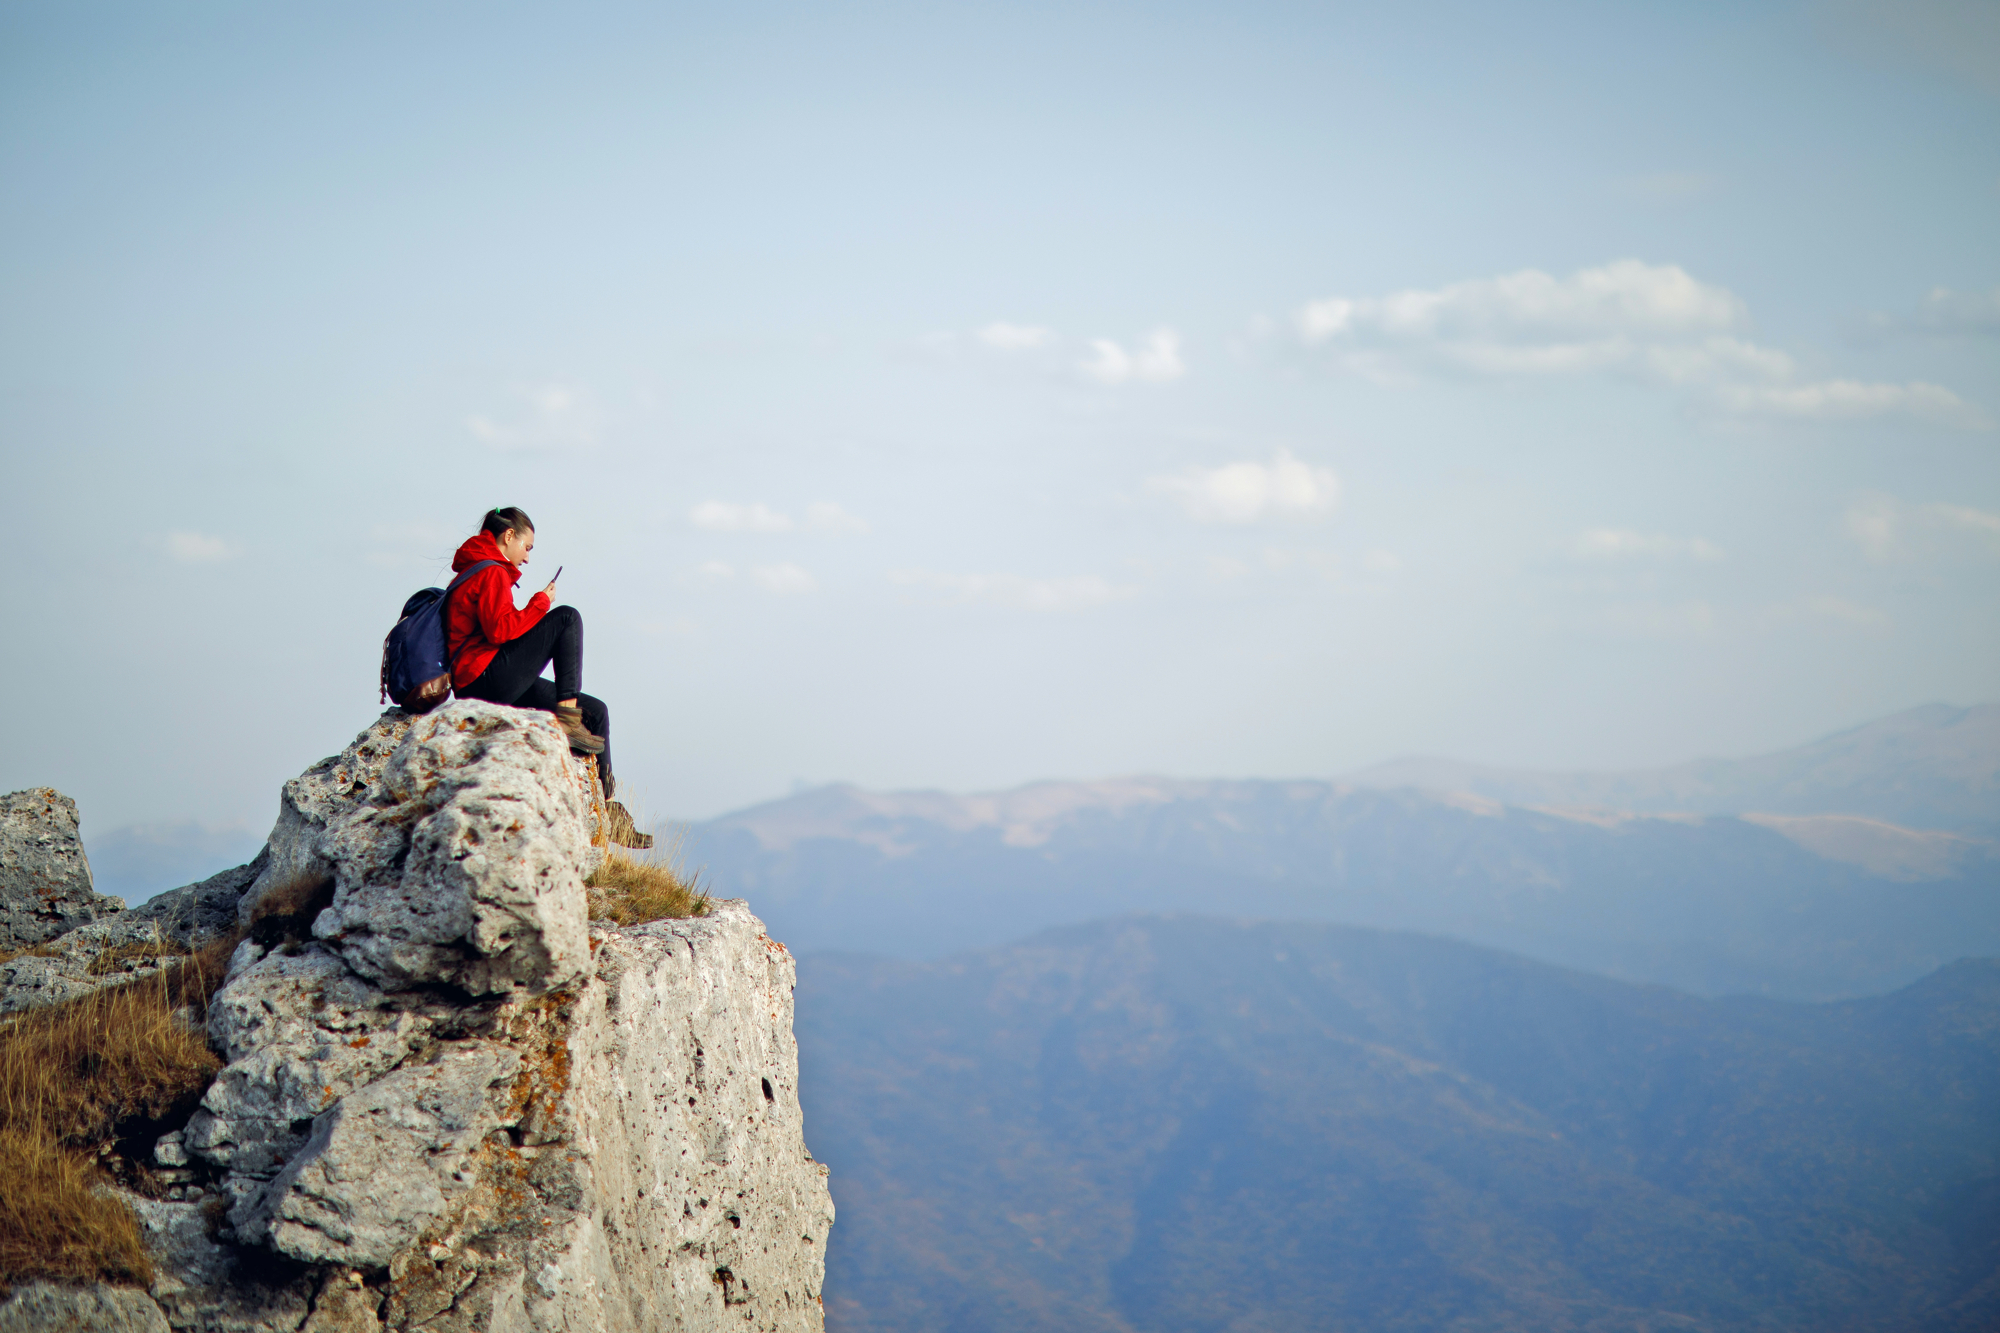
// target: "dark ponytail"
[[498, 521]]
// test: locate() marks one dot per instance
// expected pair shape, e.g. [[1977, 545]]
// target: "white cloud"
[[1531, 308], [722, 516], [783, 579], [821, 516], [550, 416], [1975, 520], [1888, 529], [1249, 492], [197, 548], [1072, 593], [1379, 561], [1651, 322], [1157, 360], [1835, 400], [1622, 543], [1007, 337], [1945, 313]]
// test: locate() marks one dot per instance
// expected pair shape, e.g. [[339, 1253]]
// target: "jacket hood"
[[482, 546]]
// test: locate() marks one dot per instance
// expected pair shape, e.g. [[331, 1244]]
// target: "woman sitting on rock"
[[498, 652]]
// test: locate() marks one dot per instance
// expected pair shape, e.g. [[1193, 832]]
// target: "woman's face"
[[515, 545]]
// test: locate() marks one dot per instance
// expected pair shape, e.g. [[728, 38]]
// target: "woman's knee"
[[566, 616]]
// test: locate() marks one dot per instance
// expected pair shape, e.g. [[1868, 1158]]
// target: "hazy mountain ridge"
[[1801, 905], [1934, 767], [1709, 904], [1204, 1125]]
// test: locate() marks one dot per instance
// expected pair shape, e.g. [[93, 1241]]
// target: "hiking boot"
[[580, 739], [619, 828]]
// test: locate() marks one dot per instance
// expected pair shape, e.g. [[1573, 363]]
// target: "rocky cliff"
[[449, 1100]]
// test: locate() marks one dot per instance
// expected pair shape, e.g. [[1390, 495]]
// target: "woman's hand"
[[550, 591]]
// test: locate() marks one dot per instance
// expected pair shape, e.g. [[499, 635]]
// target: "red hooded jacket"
[[481, 614]]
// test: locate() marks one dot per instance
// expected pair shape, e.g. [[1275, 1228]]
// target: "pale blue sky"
[[965, 395]]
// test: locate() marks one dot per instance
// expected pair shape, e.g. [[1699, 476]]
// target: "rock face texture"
[[125, 946], [453, 1103], [44, 879], [42, 1307]]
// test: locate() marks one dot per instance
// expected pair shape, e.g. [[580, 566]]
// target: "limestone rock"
[[299, 1031], [466, 866], [696, 1203], [102, 953], [44, 1307], [44, 877], [345, 1305], [388, 1160], [34, 981]]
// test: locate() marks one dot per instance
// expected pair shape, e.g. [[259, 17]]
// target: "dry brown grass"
[[628, 891], [70, 1076], [32, 951], [139, 951]]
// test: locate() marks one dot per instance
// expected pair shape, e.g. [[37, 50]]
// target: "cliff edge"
[[449, 1100]]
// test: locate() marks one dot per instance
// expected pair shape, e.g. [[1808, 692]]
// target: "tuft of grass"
[[70, 1076], [56, 1223], [32, 951], [287, 911], [138, 951], [629, 891]]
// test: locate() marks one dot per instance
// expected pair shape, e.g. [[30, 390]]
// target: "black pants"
[[514, 676]]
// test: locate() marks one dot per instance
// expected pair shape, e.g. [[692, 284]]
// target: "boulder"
[[387, 1161], [44, 877], [300, 1032], [464, 862]]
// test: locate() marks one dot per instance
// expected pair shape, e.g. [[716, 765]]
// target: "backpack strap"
[[475, 568], [444, 612]]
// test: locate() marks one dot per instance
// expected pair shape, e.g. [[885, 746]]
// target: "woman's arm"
[[493, 602]]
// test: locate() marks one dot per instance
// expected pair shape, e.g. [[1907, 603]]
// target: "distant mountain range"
[[1195, 1125], [1935, 767], [1804, 890]]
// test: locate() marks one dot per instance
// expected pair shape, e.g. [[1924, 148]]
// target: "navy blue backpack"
[[416, 672]]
